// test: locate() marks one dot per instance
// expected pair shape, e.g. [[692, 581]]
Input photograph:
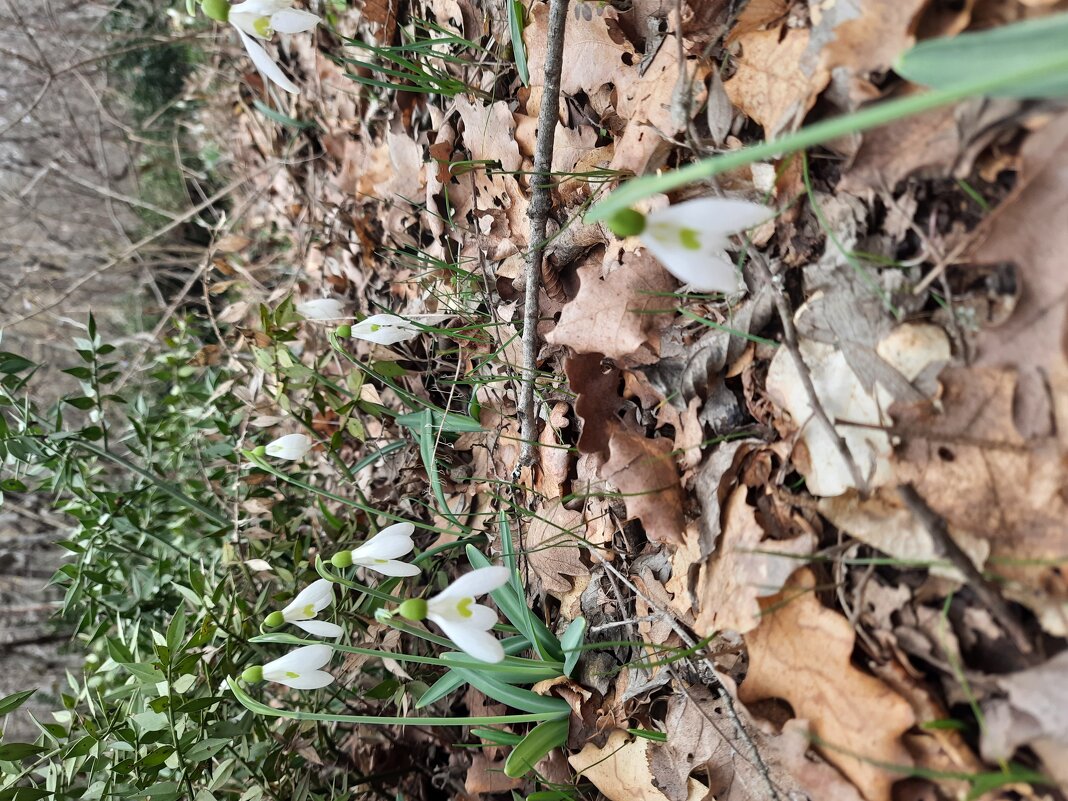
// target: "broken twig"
[[540, 203]]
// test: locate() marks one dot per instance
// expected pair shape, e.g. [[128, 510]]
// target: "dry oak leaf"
[[975, 469], [705, 740], [744, 569], [644, 471], [489, 132], [801, 652], [485, 776], [553, 548], [620, 770], [618, 314]]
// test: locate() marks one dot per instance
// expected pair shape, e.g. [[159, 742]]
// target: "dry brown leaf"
[[554, 458], [802, 652], [485, 776], [596, 385], [644, 471], [705, 740], [553, 549], [489, 132], [743, 569], [617, 314], [620, 770], [975, 469]]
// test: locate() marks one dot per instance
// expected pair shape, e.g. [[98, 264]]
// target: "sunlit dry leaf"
[[553, 549], [621, 771], [744, 568], [644, 471], [802, 652]]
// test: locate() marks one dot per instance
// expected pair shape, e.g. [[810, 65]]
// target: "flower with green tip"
[[300, 669], [691, 238], [455, 612], [260, 19], [293, 447], [385, 329], [381, 551], [302, 610]]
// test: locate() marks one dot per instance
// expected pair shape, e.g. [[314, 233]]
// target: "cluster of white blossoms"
[[454, 610]]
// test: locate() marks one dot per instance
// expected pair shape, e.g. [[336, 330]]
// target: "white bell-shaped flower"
[[690, 239], [300, 669], [293, 447], [465, 622], [321, 309], [260, 19], [381, 551], [303, 609], [385, 329]]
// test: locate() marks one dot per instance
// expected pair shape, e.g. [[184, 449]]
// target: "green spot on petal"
[[464, 607], [689, 238], [291, 675], [262, 26]]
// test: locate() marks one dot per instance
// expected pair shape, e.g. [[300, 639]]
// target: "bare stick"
[[939, 531], [789, 336], [538, 213]]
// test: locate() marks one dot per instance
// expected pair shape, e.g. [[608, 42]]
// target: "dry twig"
[[540, 203]]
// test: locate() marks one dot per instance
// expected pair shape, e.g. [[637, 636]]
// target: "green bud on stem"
[[259, 451], [344, 331], [342, 559], [253, 675], [274, 620], [627, 222], [413, 609], [218, 10]]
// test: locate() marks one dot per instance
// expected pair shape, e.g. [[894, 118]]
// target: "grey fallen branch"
[[538, 213]]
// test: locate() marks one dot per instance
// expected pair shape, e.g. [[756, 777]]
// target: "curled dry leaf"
[[553, 548], [620, 770], [802, 652], [617, 313], [644, 471], [744, 568]]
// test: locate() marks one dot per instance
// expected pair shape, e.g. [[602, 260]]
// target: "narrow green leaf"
[[9, 703], [571, 643], [539, 741], [514, 697], [515, 30], [280, 118], [497, 736], [13, 752]]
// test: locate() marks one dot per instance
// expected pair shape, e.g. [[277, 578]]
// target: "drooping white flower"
[[299, 669], [385, 329], [302, 610], [691, 238], [381, 551], [455, 612], [260, 19], [321, 309], [292, 447]]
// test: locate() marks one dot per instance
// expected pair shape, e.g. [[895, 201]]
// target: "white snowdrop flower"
[[385, 329], [292, 447], [321, 309], [300, 669], [381, 551], [691, 238], [302, 610], [260, 19], [455, 612]]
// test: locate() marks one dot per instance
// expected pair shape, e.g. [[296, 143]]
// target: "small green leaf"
[[9, 703], [205, 749], [13, 752], [542, 739], [571, 643]]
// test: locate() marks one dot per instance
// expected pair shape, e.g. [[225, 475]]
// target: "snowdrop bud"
[[342, 559], [253, 675], [344, 330], [218, 10], [627, 222], [413, 609], [259, 451], [292, 447], [274, 620]]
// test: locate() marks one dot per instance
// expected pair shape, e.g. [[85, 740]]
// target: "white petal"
[[300, 660], [320, 628], [312, 680], [293, 20], [245, 21], [291, 446], [713, 217], [389, 567], [471, 640], [385, 329], [265, 64], [319, 595], [321, 309], [703, 270], [387, 544], [477, 582]]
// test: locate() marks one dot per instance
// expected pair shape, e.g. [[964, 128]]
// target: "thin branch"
[[936, 526], [538, 213]]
